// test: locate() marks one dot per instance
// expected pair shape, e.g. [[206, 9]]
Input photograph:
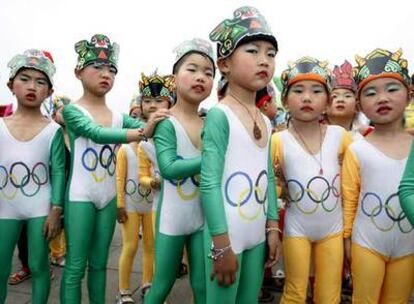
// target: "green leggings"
[[89, 233], [249, 277], [38, 256], [168, 256]]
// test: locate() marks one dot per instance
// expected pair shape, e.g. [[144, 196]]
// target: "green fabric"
[[406, 189], [215, 138], [58, 164], [38, 256], [80, 125], [132, 123], [249, 277], [272, 209], [166, 147], [89, 233]]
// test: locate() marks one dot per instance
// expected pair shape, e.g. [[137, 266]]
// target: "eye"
[[23, 78], [369, 93], [113, 70], [297, 90], [41, 82], [393, 88], [271, 53], [209, 73], [317, 91]]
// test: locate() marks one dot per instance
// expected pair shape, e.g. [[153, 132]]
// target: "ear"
[[78, 73], [358, 105], [10, 85], [50, 92], [284, 102], [223, 65]]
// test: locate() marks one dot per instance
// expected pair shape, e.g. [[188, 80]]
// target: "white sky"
[[147, 32]]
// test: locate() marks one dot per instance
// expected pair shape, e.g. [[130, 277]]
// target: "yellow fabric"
[[409, 116], [327, 260], [350, 187], [121, 174], [276, 149], [144, 169], [130, 237], [378, 279], [57, 245]]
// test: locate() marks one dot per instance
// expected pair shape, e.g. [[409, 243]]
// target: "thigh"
[[37, 243]]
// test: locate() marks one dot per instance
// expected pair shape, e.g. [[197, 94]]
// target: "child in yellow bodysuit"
[[308, 154], [379, 240], [134, 198]]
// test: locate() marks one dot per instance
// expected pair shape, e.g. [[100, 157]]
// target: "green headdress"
[[381, 63], [98, 50], [305, 68], [247, 23]]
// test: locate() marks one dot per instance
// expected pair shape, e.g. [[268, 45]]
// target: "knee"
[[129, 249]]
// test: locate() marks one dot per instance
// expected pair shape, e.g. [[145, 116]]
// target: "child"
[[32, 166], [342, 108], [135, 199], [382, 239], [179, 220], [93, 131], [308, 154], [237, 180]]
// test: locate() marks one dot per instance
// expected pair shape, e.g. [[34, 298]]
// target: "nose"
[[264, 59], [306, 97], [383, 97], [32, 85], [105, 72], [200, 77]]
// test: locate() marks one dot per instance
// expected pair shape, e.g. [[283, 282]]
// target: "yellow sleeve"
[[277, 159], [144, 170], [121, 174], [350, 187], [346, 141]]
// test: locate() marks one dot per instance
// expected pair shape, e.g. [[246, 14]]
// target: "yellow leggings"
[[328, 257], [379, 279], [57, 245], [130, 236]]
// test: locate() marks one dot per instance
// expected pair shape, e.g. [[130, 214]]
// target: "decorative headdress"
[[33, 59], [195, 45], [381, 63], [305, 68], [247, 23], [342, 77], [156, 85], [99, 50]]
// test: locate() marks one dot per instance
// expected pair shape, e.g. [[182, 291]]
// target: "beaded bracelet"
[[270, 229], [218, 253]]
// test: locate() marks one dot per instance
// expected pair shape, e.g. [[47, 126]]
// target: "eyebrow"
[[28, 76]]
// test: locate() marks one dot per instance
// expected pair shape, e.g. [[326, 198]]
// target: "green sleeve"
[[170, 166], [81, 125], [132, 123], [272, 210], [406, 189], [57, 162], [215, 138]]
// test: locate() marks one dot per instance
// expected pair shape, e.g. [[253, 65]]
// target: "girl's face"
[[150, 105], [251, 65], [342, 104], [136, 112], [31, 88], [306, 100], [194, 78], [384, 100], [97, 79]]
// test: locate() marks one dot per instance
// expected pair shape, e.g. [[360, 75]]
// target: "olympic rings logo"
[[195, 180], [137, 193], [21, 178], [106, 158], [260, 195], [372, 206], [297, 192]]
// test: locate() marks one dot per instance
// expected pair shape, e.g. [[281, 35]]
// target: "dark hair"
[[179, 63]]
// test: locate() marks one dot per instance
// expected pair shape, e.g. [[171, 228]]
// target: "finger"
[[212, 275], [220, 279], [227, 279], [233, 277]]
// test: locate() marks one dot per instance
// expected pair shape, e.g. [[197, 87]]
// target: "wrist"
[[218, 253]]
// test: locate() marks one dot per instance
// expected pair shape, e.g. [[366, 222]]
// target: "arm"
[[57, 166], [406, 189], [132, 123], [166, 147], [272, 212], [350, 186], [215, 140], [82, 125], [121, 174], [144, 170]]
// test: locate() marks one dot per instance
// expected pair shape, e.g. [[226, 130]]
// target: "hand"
[[52, 225], [347, 249], [281, 182], [155, 183], [225, 269], [275, 248], [122, 215], [155, 118]]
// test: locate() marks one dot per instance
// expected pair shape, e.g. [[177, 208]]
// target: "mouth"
[[262, 74], [306, 109], [31, 97], [198, 88], [384, 110], [104, 84], [340, 108]]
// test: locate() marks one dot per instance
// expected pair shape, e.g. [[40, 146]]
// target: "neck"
[[28, 112], [344, 122], [186, 107], [306, 127], [90, 98], [247, 97], [390, 129]]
